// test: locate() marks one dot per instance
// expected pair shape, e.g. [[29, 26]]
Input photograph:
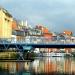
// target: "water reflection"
[[41, 66]]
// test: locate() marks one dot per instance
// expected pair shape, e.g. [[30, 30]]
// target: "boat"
[[54, 54]]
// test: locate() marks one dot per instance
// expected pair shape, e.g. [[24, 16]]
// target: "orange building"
[[69, 33], [14, 25], [46, 33]]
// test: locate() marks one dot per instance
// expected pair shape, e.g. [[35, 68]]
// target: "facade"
[[18, 35], [18, 32], [68, 33], [5, 24], [44, 31], [35, 32], [14, 28], [14, 24], [23, 25]]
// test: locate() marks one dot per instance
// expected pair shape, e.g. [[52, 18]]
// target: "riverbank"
[[14, 56], [10, 60]]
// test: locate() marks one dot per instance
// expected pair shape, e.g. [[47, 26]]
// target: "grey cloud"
[[56, 14]]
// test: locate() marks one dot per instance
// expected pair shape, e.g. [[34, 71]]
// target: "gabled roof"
[[5, 11]]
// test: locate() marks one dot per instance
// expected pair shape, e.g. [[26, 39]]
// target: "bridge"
[[29, 43]]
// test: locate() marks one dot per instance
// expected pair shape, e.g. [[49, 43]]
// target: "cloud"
[[58, 15], [5, 1]]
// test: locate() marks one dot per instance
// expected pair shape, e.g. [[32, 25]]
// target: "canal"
[[39, 66]]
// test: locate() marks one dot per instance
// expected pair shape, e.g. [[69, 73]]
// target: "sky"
[[57, 15]]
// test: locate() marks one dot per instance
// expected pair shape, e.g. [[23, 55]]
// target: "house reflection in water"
[[54, 65], [40, 66]]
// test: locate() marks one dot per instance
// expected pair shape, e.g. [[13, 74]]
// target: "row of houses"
[[10, 27], [19, 30]]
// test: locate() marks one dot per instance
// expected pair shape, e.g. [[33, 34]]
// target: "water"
[[40, 66]]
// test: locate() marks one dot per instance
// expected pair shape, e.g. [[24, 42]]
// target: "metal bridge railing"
[[35, 40]]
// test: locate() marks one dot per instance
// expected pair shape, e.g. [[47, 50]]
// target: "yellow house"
[[5, 24]]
